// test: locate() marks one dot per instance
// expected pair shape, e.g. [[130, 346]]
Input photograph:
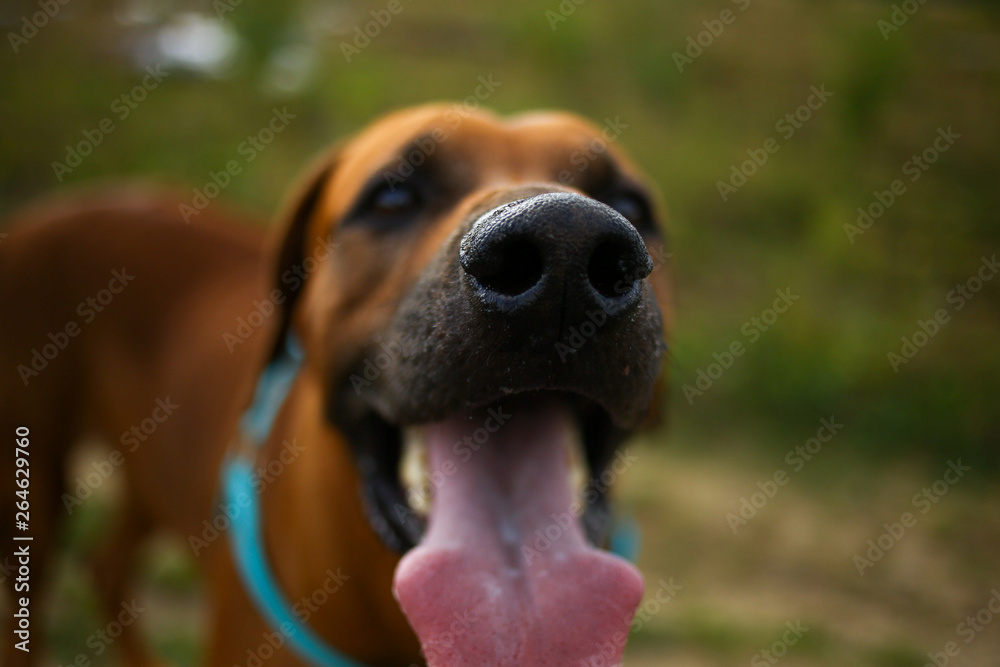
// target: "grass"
[[783, 229], [794, 561]]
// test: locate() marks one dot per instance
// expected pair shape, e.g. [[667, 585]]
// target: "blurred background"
[[831, 175]]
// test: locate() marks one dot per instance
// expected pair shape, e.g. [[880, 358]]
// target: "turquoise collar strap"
[[271, 391], [248, 549], [245, 536], [625, 538]]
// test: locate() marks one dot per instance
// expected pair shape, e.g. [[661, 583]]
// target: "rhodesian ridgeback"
[[388, 431]]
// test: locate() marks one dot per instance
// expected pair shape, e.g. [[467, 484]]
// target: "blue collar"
[[245, 536]]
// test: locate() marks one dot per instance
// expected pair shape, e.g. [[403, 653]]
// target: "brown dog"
[[476, 307]]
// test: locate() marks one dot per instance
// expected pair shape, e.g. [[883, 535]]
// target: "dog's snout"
[[555, 249]]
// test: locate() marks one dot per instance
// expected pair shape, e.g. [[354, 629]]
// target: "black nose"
[[552, 252]]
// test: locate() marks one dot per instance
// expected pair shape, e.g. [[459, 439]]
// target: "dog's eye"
[[386, 205], [393, 200], [632, 207]]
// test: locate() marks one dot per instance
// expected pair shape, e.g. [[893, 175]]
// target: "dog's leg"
[[112, 567]]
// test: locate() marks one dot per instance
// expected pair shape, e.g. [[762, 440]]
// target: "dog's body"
[[147, 342], [450, 244]]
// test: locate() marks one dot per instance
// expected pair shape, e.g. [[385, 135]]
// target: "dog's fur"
[[164, 337]]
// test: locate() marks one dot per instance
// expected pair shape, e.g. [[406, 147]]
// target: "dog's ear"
[[288, 251]]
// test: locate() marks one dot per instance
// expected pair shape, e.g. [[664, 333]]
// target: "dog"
[[388, 429]]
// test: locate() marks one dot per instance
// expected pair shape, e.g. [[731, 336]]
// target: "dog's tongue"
[[504, 575]]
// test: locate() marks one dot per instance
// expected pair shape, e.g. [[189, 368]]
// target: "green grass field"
[[864, 291]]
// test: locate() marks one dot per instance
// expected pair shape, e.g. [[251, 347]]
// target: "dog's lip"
[[429, 415]]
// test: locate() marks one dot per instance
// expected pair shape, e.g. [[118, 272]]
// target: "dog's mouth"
[[500, 510], [401, 487]]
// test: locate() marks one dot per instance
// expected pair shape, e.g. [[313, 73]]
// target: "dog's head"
[[486, 302]]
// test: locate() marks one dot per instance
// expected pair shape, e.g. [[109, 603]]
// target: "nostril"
[[514, 266], [610, 271]]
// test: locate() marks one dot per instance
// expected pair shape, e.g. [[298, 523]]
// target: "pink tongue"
[[504, 575]]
